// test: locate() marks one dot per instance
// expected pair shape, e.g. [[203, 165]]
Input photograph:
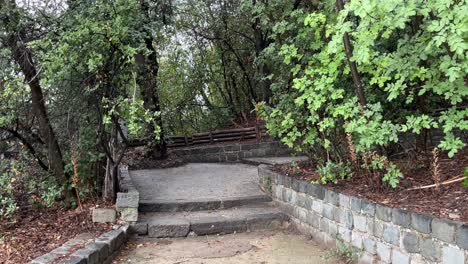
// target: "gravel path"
[[266, 247]]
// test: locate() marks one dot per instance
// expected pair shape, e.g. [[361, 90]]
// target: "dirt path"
[[266, 247]]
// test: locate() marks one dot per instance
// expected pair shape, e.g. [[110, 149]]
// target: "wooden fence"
[[218, 136]]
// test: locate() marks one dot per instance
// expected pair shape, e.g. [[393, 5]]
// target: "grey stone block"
[[168, 228], [337, 214], [345, 201], [356, 204], [400, 257], [430, 249], [378, 229], [401, 217], [90, 254], [368, 207], [114, 239], [313, 220], [410, 242], [233, 156], [391, 235], [462, 236], [129, 214], [140, 228], [102, 249], [452, 255], [62, 250], [317, 206], [324, 225], [331, 197], [443, 229], [383, 212], [74, 260], [296, 185], [280, 178], [287, 195], [360, 222], [232, 148], [370, 225], [309, 203], [303, 186], [344, 234], [288, 182], [301, 214], [369, 245], [332, 229], [421, 222], [317, 191], [384, 252], [130, 199], [104, 215], [46, 258], [301, 200], [327, 211], [344, 217], [293, 198], [356, 239]]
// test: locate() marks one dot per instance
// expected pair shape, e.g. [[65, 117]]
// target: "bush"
[[411, 62], [7, 198]]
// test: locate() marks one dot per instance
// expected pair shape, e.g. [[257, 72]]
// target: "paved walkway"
[[264, 247]]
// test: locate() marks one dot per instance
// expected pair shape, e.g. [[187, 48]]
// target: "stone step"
[[199, 204], [233, 220]]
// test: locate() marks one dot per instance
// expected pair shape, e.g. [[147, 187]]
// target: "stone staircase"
[[203, 199]]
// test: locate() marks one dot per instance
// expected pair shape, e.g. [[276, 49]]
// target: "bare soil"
[[447, 201], [34, 232]]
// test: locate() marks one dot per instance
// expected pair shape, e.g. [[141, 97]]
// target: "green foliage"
[[412, 60], [7, 199], [343, 251], [333, 172]]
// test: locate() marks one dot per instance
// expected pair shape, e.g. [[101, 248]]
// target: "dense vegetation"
[[354, 84]]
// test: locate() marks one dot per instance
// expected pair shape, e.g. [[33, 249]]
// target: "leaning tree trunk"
[[22, 55]]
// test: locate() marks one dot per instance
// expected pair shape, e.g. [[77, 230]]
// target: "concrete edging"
[[383, 234], [102, 249]]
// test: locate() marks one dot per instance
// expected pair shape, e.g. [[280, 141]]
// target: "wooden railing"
[[218, 136]]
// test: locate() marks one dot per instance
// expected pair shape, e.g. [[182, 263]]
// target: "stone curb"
[[100, 250], [385, 234]]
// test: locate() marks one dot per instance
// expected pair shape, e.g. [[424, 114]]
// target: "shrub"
[[411, 63]]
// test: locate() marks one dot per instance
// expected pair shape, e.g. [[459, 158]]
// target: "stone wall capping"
[[385, 234]]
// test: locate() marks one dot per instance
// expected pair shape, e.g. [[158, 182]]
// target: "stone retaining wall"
[[90, 251], [383, 234], [231, 153]]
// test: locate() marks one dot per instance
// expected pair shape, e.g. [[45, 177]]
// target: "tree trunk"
[[352, 65], [148, 67], [24, 58], [263, 69]]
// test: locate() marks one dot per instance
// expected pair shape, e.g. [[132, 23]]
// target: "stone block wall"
[[128, 197], [381, 233], [232, 153]]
